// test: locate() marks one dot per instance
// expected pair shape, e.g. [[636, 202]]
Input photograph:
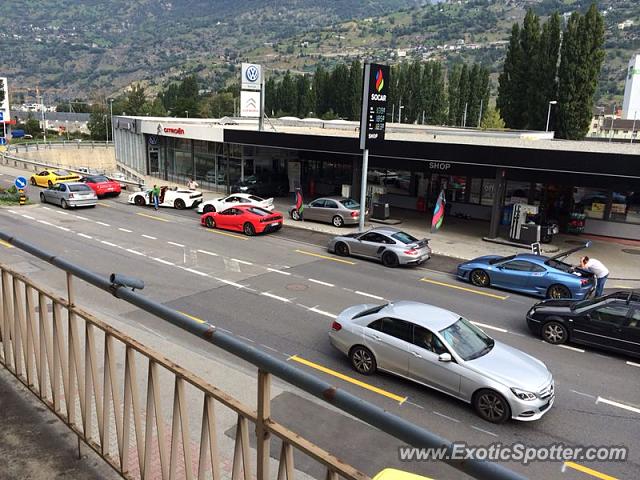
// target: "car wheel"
[[139, 200], [295, 215], [64, 204], [33, 181], [342, 249], [390, 259], [337, 221], [179, 204], [50, 183], [42, 199], [362, 360], [480, 278], [248, 229], [491, 406], [554, 333], [208, 209], [558, 291], [210, 222]]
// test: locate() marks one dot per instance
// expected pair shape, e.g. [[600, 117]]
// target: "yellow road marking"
[[341, 376], [210, 230], [465, 289], [589, 471], [5, 244], [326, 257], [104, 205], [152, 216], [199, 320]]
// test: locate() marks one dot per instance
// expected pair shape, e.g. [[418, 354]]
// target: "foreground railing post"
[[263, 436]]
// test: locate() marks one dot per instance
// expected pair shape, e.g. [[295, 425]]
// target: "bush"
[[12, 189]]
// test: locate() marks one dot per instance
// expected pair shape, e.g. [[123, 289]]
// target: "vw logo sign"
[[153, 140], [252, 73]]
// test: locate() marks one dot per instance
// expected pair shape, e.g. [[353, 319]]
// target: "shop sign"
[[444, 166], [251, 76], [249, 104], [174, 130], [373, 117]]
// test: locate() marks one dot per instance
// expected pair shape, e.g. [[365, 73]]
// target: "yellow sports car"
[[392, 474], [47, 178]]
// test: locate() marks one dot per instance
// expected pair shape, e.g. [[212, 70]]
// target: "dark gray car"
[[337, 211], [70, 194]]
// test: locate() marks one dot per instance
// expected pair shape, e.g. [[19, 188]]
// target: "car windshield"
[[350, 203], [98, 179], [259, 211], [79, 188], [501, 259], [467, 340], [404, 237]]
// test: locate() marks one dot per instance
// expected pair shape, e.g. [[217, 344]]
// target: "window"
[[330, 204], [259, 211], [537, 268], [405, 238], [424, 338], [488, 192], [373, 237], [467, 340], [634, 322], [317, 203], [255, 199], [518, 265], [613, 313], [79, 188], [625, 207], [396, 328], [350, 203], [592, 202]]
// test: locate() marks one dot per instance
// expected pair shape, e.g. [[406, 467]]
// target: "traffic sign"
[[20, 182], [3, 141], [1, 116]]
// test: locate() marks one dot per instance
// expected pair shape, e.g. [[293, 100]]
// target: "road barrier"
[[72, 366]]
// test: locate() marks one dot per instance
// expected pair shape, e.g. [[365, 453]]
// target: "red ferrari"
[[244, 218], [102, 185]]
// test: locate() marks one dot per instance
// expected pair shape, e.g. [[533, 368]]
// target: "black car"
[[611, 322], [263, 185]]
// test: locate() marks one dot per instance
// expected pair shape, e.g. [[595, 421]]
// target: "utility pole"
[[480, 115], [613, 119], [422, 117], [400, 107], [44, 121], [113, 132], [262, 89], [464, 117]]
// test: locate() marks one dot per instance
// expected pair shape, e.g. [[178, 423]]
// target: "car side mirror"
[[444, 357]]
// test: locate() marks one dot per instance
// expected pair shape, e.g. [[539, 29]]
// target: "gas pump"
[[522, 230]]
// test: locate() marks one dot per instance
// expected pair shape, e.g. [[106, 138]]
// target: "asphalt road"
[[281, 291]]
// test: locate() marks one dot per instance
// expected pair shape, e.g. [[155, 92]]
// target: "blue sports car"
[[538, 275]]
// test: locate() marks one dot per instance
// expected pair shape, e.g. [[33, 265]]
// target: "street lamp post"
[[552, 102], [44, 121], [106, 130], [111, 119], [187, 113]]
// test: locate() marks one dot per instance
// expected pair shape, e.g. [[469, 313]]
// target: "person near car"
[[155, 196], [599, 270], [192, 184]]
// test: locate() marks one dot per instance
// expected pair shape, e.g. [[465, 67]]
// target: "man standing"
[[598, 269], [192, 184], [155, 195]]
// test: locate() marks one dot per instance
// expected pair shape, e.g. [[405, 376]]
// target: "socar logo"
[[379, 80]]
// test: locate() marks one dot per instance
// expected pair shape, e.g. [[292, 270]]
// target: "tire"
[[33, 181], [480, 278], [555, 333], [558, 291], [491, 406], [139, 201], [390, 259], [210, 222], [208, 209], [49, 183], [248, 229], [42, 199], [179, 204], [337, 221], [295, 215], [362, 360], [341, 249], [64, 204]]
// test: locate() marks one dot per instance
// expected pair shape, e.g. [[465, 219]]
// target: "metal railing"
[[72, 367]]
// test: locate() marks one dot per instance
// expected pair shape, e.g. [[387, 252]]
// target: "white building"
[[631, 104]]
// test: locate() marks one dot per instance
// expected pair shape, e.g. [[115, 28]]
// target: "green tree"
[[435, 101], [492, 120], [136, 101], [530, 41], [32, 126], [355, 90], [581, 61], [304, 96], [454, 93], [218, 105], [321, 89], [463, 96], [509, 100], [98, 124], [545, 74]]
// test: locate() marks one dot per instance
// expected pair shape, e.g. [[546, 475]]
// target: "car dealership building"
[[482, 173]]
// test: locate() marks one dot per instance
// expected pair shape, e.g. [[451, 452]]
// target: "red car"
[[244, 218], [102, 185]]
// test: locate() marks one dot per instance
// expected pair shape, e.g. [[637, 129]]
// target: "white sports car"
[[219, 204], [169, 197]]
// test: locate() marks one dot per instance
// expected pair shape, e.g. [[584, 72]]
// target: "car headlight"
[[523, 394], [531, 312]]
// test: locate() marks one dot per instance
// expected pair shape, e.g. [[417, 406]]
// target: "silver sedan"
[[69, 194], [338, 211], [388, 245], [442, 350]]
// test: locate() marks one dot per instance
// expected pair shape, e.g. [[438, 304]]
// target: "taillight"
[[411, 252], [336, 326], [355, 213], [71, 195], [584, 281]]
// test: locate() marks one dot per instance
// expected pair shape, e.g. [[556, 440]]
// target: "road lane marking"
[[199, 320], [104, 205], [84, 235], [227, 234], [229, 282], [365, 294], [208, 253], [618, 404], [339, 260], [246, 338], [269, 348], [61, 212], [108, 243], [197, 272], [275, 270], [124, 230], [346, 378], [276, 297], [588, 471], [583, 394], [60, 227], [490, 327], [176, 244], [320, 282], [28, 216], [136, 253], [322, 312], [464, 289], [574, 349], [484, 431], [153, 217], [241, 261], [163, 261], [44, 222], [6, 244], [81, 217], [633, 364], [149, 237], [103, 224], [446, 416]]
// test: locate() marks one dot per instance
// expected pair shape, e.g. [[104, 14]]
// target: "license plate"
[[275, 223]]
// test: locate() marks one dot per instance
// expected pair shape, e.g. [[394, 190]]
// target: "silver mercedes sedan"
[[388, 245], [443, 351]]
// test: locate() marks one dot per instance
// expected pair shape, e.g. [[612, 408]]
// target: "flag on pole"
[[438, 213], [299, 202]]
